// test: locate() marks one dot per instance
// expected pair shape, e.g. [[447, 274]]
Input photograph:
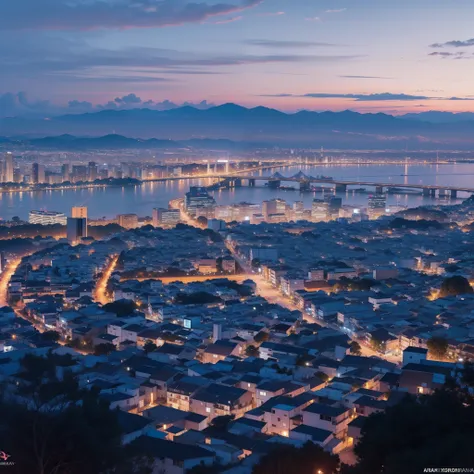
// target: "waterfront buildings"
[[127, 221], [76, 229], [37, 173], [198, 202], [166, 217], [47, 218], [8, 168], [79, 212]]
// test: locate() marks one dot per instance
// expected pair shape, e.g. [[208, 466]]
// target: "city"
[[236, 237]]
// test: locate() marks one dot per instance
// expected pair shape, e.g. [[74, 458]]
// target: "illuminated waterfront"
[[109, 201]]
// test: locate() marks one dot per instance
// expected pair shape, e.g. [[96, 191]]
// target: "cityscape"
[[236, 237]]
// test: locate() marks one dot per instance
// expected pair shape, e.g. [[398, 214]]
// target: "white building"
[[47, 218]]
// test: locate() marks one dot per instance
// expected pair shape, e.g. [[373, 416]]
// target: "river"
[[110, 201]]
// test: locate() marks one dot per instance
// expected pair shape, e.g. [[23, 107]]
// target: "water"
[[108, 202]]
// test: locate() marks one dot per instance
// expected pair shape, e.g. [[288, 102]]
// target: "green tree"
[[287, 459], [432, 431], [149, 346], [261, 336], [252, 351], [377, 345], [355, 348], [437, 347], [104, 349], [50, 336], [455, 285]]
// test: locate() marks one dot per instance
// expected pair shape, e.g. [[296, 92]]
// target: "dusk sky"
[[366, 55]]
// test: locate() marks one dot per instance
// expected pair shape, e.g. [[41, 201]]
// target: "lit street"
[[100, 293]]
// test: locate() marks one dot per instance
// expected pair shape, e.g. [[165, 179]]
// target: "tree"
[[437, 347], [431, 431], [355, 348], [104, 349], [455, 285], [287, 459], [377, 345], [252, 351], [50, 336], [202, 221], [149, 346], [261, 336], [120, 307]]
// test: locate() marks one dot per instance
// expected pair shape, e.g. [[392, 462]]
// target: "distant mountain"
[[115, 142], [259, 125], [436, 116]]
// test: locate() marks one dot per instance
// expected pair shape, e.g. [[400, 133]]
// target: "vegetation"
[[261, 336], [200, 297], [121, 307], [430, 431], [287, 459], [437, 347], [455, 285], [422, 224], [252, 351], [355, 348], [149, 346], [55, 427], [104, 349]]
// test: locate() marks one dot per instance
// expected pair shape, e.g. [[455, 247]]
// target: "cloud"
[[365, 77], [112, 14], [454, 44], [377, 97], [338, 10], [313, 18], [271, 14], [18, 104], [278, 44], [228, 20], [446, 55]]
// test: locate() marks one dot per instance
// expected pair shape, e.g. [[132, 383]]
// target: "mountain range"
[[259, 125]]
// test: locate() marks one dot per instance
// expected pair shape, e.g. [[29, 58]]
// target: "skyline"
[[314, 55]]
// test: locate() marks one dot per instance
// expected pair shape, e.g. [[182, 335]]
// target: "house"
[[424, 379], [272, 388], [414, 354], [305, 433], [220, 350], [328, 417], [132, 426], [180, 392], [220, 400], [172, 458]]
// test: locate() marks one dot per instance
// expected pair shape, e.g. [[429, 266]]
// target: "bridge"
[[340, 186]]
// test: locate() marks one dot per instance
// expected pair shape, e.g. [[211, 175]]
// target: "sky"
[[393, 56]]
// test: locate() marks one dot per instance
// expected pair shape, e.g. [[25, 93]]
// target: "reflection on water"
[[108, 202]]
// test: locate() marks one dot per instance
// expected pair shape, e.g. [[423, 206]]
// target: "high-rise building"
[[76, 229], [92, 171], [319, 210], [3, 262], [128, 221], [66, 171], [79, 212], [269, 207], [47, 218], [168, 217], [37, 173], [8, 168], [79, 173], [197, 202], [377, 204], [335, 204]]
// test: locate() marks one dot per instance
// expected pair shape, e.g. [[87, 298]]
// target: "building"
[[8, 168], [319, 210], [66, 172], [47, 218], [197, 202], [162, 216], [79, 173], [127, 221], [37, 173], [76, 229], [92, 171], [79, 212], [3, 262], [377, 204]]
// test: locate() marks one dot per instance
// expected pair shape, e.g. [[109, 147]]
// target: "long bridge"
[[340, 186]]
